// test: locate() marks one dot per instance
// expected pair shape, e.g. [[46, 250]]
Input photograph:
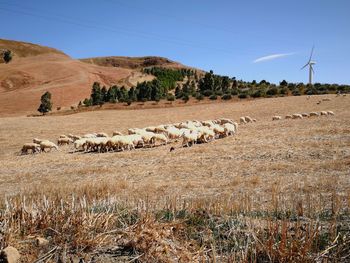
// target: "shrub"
[[226, 97], [272, 91], [219, 93], [257, 94], [243, 95], [234, 92], [296, 92], [213, 97], [170, 97], [283, 91], [185, 98], [58, 108], [207, 92], [199, 96], [46, 104]]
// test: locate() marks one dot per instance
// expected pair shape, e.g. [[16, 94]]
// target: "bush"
[[243, 95], [199, 96], [258, 93], [234, 92], [207, 92], [272, 92], [226, 97], [283, 91], [213, 97], [219, 93], [170, 97], [46, 104], [296, 92], [185, 98], [58, 108]]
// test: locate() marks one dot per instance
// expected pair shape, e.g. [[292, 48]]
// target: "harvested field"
[[271, 177]]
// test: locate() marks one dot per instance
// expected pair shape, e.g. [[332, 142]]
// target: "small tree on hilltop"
[[46, 104], [7, 56]]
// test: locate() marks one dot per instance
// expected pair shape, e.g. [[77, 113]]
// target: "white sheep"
[[314, 114], [160, 138], [276, 118], [297, 116], [74, 137], [63, 136], [48, 145], [89, 135], [102, 134], [173, 133], [288, 117], [230, 129], [242, 120], [38, 141], [222, 121], [330, 112], [190, 138], [65, 140], [117, 133], [248, 119], [306, 115], [323, 113], [34, 147], [81, 143], [206, 134]]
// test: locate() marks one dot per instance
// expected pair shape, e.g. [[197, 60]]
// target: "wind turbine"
[[310, 63]]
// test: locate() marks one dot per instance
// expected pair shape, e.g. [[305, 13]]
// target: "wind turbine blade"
[[312, 51], [305, 66]]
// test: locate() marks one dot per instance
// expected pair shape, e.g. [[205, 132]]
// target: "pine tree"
[[46, 104], [96, 94]]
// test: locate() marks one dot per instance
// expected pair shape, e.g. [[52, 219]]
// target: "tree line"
[[172, 84]]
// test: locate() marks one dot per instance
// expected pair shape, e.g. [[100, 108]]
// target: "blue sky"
[[225, 36]]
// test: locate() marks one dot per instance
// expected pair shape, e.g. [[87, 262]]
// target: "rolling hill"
[[35, 69]]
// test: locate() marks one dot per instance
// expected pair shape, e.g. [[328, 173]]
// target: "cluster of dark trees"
[[209, 85]]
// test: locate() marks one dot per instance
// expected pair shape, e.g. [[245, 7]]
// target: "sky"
[[249, 40]]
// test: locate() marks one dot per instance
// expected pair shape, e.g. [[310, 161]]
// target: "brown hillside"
[[36, 69], [133, 62], [24, 49]]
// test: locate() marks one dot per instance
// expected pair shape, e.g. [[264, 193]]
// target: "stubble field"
[[269, 174]]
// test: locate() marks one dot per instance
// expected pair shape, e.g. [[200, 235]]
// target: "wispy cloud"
[[272, 57]]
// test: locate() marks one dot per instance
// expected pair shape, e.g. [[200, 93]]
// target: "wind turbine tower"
[[310, 63]]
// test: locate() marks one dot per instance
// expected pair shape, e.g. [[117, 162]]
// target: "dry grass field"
[[276, 191]]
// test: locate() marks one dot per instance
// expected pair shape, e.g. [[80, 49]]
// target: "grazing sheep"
[[102, 134], [47, 145], [190, 138], [219, 131], [288, 117], [330, 112], [314, 114], [323, 113], [222, 121], [230, 129], [305, 114], [206, 134], [276, 118], [117, 133], [242, 120], [74, 137], [34, 147], [297, 116], [208, 123], [89, 135], [81, 143], [173, 133], [160, 138], [38, 141], [63, 136], [62, 141], [248, 119]]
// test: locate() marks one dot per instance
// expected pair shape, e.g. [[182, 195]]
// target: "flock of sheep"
[[304, 115], [191, 132]]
